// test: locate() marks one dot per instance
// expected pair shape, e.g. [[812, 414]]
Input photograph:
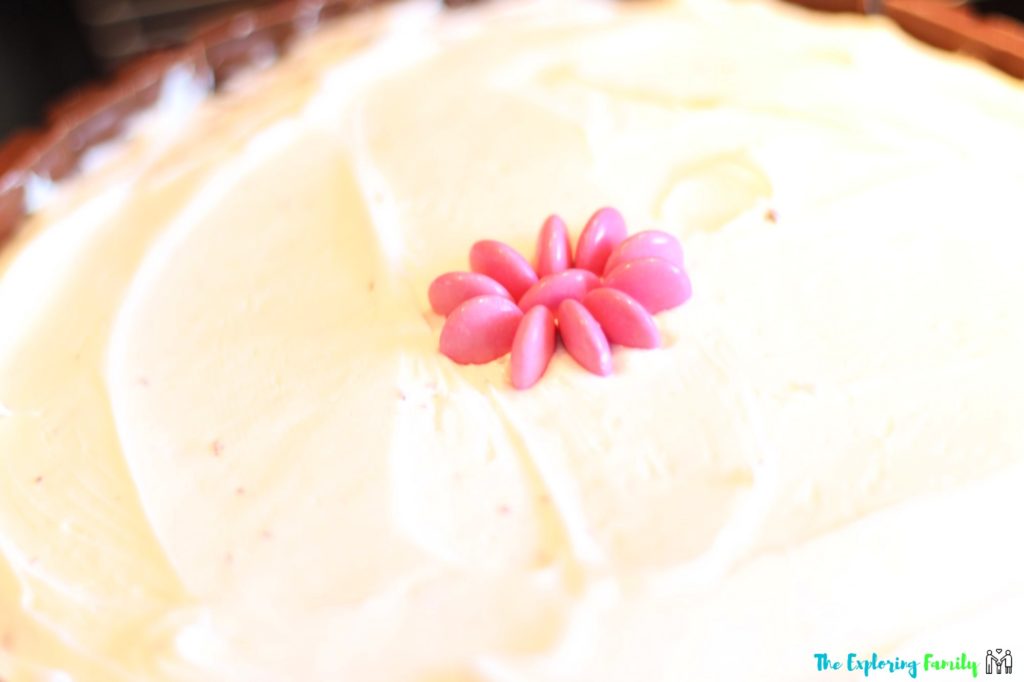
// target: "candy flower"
[[607, 294]]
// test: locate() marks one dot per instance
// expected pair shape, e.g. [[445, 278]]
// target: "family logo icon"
[[1001, 662]]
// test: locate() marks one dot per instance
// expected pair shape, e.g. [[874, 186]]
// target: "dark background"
[[48, 46], [43, 51]]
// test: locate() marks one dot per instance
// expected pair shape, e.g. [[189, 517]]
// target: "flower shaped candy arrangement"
[[606, 295]]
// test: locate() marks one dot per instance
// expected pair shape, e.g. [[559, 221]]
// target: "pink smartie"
[[480, 330], [655, 283], [605, 230], [504, 265], [553, 289], [648, 244], [532, 348], [625, 322], [554, 252], [583, 338], [451, 289]]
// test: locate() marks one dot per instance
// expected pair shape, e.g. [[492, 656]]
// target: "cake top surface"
[[231, 449]]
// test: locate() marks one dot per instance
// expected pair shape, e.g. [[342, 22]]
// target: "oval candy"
[[532, 348], [451, 289], [583, 338], [605, 230], [623, 320], [554, 252], [504, 265], [553, 289], [655, 283], [480, 330], [647, 244]]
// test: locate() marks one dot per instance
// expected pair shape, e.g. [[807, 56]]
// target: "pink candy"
[[554, 253], [504, 265], [648, 244], [480, 330], [503, 306], [583, 338], [625, 322], [605, 230], [553, 289], [533, 347], [656, 284], [449, 290]]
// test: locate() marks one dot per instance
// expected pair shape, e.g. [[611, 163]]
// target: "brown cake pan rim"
[[97, 112]]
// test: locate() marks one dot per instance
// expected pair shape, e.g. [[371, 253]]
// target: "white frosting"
[[229, 449]]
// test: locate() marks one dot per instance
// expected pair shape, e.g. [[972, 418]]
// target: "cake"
[[231, 449]]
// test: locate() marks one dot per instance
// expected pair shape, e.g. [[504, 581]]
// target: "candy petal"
[[605, 230], [622, 318], [553, 289], [451, 289], [583, 338], [504, 265], [656, 284], [647, 244], [554, 252], [533, 347], [480, 330]]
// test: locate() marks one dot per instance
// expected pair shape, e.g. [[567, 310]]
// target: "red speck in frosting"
[[606, 296], [38, 479], [240, 491], [217, 448]]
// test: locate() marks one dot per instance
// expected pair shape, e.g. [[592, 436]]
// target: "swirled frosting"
[[229, 448]]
